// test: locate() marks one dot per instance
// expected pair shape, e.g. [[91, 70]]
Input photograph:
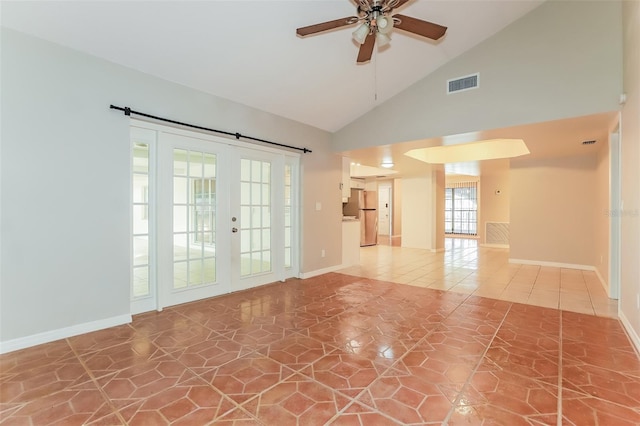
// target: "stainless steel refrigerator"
[[363, 205]]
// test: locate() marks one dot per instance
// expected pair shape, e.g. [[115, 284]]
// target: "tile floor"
[[466, 268], [340, 349]]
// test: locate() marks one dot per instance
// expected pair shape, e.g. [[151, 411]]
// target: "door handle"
[[234, 230]]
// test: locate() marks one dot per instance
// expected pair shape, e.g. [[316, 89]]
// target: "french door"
[[224, 218]]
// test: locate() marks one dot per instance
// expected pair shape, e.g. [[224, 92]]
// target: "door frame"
[[291, 159], [388, 189], [615, 207]]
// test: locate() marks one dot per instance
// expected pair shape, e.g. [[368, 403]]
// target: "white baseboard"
[[635, 339], [62, 333], [553, 264], [440, 250], [605, 286], [506, 246], [311, 274]]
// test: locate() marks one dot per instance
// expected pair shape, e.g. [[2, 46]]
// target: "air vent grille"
[[463, 83], [588, 142], [497, 233]]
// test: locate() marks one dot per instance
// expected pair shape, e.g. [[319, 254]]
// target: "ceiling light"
[[387, 164], [475, 151], [384, 24], [382, 39], [361, 33]]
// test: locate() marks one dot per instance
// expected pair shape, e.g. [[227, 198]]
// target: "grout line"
[[480, 359], [97, 385]]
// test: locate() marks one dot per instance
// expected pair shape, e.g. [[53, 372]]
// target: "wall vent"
[[497, 233], [463, 83]]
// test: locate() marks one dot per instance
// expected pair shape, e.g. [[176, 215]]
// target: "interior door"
[[384, 210], [193, 245]]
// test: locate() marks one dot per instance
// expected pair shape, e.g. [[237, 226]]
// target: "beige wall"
[[397, 207], [418, 212], [630, 215], [321, 229], [438, 240], [552, 210], [423, 210], [494, 207]]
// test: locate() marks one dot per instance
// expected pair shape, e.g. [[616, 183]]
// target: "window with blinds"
[[461, 208]]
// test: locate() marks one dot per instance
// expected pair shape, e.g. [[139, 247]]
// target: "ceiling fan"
[[376, 22]]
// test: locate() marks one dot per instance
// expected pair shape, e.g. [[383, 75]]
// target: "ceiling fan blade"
[[400, 3], [420, 27], [366, 50], [325, 26]]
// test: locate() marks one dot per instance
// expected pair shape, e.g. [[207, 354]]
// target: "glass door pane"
[[140, 193], [194, 209], [255, 217], [143, 214]]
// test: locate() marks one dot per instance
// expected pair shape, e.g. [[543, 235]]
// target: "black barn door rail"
[[128, 111]]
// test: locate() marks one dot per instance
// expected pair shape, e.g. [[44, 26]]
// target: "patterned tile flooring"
[[334, 349]]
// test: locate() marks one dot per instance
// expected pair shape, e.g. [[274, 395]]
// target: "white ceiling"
[[248, 51]]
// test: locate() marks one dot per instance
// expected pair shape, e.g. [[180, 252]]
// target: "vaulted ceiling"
[[248, 51]]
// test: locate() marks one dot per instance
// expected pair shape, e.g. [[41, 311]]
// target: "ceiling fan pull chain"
[[375, 77]]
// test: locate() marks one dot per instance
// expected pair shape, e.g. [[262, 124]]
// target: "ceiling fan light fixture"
[[361, 33], [384, 24], [382, 39]]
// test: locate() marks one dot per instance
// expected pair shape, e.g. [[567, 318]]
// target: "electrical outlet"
[[322, 253]]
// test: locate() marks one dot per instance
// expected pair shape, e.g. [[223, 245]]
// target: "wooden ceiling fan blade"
[[326, 26], [400, 3], [366, 50], [420, 27]]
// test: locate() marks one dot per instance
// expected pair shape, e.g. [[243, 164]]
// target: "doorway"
[[384, 209], [220, 216]]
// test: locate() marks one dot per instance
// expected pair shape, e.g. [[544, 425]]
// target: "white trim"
[[553, 264], [603, 282], [615, 185], [311, 274], [440, 250], [506, 246], [62, 333], [633, 336]]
